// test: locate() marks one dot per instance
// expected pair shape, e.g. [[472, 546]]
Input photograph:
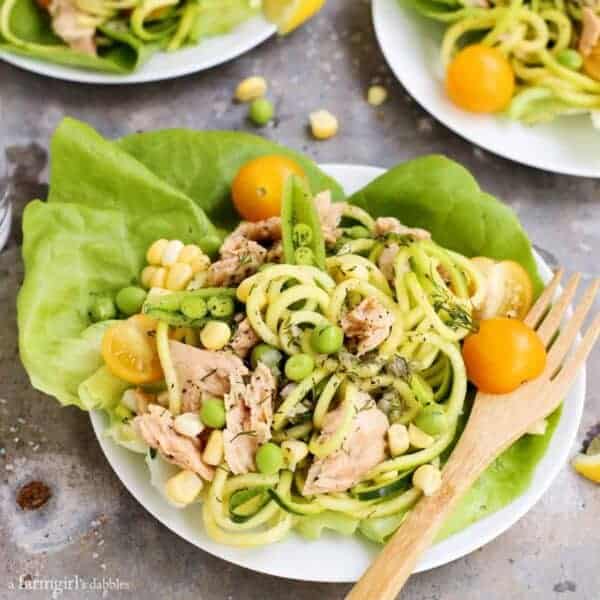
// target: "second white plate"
[[411, 46], [163, 65], [297, 558]]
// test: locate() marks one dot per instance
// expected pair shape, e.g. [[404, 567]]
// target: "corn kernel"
[[398, 439], [171, 253], [200, 264], [215, 335], [243, 290], [250, 89], [155, 252], [293, 452], [418, 438], [147, 275], [159, 278], [376, 95], [183, 488], [213, 453], [179, 276], [323, 124], [538, 428], [197, 281], [189, 253], [428, 479], [188, 424]]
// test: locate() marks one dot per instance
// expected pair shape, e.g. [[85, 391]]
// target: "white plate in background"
[[297, 558], [207, 53], [411, 45]]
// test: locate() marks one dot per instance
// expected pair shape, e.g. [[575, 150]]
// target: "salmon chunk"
[[363, 449], [330, 215], [203, 372], [385, 225], [590, 31], [369, 324], [249, 415], [156, 428], [244, 339]]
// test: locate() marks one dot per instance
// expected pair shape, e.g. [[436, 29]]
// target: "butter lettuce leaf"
[[202, 164], [437, 194]]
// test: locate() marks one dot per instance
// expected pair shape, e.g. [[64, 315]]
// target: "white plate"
[[163, 65], [411, 46], [297, 558]]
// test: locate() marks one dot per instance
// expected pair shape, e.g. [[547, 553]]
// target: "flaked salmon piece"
[[67, 21], [330, 215], [267, 230], [203, 372], [369, 324], [244, 339], [363, 449], [157, 429], [240, 258], [590, 31], [386, 260], [259, 399], [275, 253], [249, 415], [242, 253], [240, 443], [385, 225]]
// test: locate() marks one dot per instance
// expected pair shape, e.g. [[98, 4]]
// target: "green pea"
[[569, 58], [299, 366], [220, 306], [212, 413], [102, 309], [327, 339], [358, 232], [261, 111], [304, 256], [432, 420], [269, 459], [302, 235], [194, 307], [266, 354], [130, 299]]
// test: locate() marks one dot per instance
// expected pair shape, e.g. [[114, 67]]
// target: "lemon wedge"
[[290, 14], [588, 464]]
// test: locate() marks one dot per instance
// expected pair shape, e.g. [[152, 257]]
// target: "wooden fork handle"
[[395, 563]]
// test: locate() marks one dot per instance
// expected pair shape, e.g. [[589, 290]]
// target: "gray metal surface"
[[92, 528]]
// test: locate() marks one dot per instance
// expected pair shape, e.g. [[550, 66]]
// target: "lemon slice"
[[290, 14], [588, 464]]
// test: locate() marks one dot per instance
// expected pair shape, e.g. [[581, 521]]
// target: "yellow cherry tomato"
[[509, 289], [502, 355], [258, 186], [480, 79], [129, 350]]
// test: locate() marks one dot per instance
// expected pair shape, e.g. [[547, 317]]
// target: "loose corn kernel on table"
[[98, 530]]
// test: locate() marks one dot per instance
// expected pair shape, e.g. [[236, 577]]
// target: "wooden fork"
[[496, 422]]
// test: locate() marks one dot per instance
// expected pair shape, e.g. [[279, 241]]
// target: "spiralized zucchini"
[[532, 35], [431, 297]]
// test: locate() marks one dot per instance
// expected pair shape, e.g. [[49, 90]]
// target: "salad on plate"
[[534, 60], [284, 356], [119, 36]]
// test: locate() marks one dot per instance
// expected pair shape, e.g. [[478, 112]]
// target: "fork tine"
[[561, 383], [552, 321], [561, 346], [543, 302]]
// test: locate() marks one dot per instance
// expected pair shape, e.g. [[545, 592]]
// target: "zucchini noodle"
[[533, 35]]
